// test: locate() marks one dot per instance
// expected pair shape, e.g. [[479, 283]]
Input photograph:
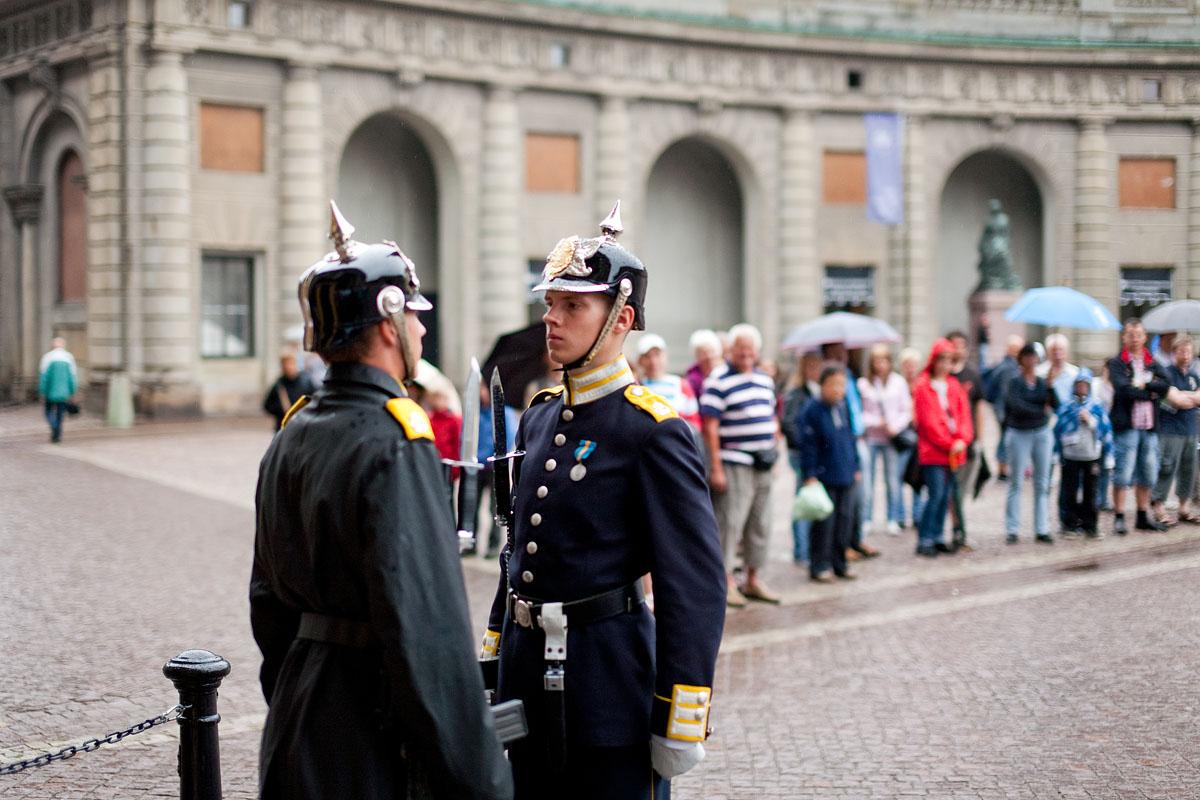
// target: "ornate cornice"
[[24, 201]]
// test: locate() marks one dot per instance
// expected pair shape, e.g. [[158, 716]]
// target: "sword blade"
[[501, 479], [470, 416]]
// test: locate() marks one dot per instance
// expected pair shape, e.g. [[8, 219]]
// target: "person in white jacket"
[[887, 411]]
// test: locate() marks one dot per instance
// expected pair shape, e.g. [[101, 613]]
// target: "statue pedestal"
[[993, 303]]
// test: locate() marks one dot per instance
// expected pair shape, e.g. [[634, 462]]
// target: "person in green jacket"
[[56, 384]]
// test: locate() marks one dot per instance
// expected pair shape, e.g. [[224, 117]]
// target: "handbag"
[[812, 503], [905, 440], [912, 473], [72, 408], [764, 460]]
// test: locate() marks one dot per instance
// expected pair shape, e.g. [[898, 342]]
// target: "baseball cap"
[[648, 341]]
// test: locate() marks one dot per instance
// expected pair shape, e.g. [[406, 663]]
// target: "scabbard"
[[556, 724]]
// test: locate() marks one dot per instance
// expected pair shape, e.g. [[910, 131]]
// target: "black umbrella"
[[521, 357]]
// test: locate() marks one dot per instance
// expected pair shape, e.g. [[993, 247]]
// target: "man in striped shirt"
[[741, 429]]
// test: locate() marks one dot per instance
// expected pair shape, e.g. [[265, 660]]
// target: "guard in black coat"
[[356, 597], [611, 488]]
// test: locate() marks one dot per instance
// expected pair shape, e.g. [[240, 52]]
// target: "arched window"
[[72, 229]]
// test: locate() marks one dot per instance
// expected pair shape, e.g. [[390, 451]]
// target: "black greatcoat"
[[354, 522]]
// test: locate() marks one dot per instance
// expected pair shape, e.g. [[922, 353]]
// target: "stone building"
[[166, 164]]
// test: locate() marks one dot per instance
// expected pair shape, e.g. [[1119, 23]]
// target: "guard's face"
[[416, 332], [573, 321]]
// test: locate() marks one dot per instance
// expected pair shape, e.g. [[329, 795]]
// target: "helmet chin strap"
[[624, 289], [391, 305]]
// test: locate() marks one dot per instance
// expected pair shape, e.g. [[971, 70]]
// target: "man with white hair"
[[57, 379], [740, 431], [1057, 371]]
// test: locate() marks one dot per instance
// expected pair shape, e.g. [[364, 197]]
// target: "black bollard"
[[197, 675]]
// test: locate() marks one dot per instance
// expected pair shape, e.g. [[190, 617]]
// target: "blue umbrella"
[[1063, 307]]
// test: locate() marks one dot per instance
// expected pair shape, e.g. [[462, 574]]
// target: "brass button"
[[527, 576], [535, 520], [551, 464], [560, 440], [531, 548], [568, 415], [542, 491]]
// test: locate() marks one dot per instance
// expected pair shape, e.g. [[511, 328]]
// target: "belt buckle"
[[523, 612]]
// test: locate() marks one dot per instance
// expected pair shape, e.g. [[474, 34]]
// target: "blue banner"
[[885, 168]]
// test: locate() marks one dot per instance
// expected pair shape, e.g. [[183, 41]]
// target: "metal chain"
[[170, 715]]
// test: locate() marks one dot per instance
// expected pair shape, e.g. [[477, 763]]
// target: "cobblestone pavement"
[[1010, 672]]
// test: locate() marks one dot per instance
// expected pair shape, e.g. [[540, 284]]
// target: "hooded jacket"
[[934, 434]]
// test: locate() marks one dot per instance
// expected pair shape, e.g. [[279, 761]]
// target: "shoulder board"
[[411, 417], [300, 403], [546, 394], [653, 404]]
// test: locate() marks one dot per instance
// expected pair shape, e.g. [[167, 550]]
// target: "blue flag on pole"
[[885, 168]]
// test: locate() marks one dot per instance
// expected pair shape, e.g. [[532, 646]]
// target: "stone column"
[[168, 261], [915, 320], [1095, 272], [1193, 281], [25, 202], [612, 157], [799, 268], [107, 313], [304, 211], [501, 265]]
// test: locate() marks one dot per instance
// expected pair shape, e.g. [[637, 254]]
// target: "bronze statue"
[[995, 253]]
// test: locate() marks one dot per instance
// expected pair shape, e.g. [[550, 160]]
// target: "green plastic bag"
[[812, 503]]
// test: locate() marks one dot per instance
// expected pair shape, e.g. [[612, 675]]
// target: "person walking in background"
[[652, 369], [996, 382], [969, 379], [290, 386], [829, 454], [1177, 436], [802, 387], [706, 349], [1083, 437], [57, 381], [1139, 383], [887, 412], [836, 352], [944, 430], [740, 431], [911, 363], [1027, 409]]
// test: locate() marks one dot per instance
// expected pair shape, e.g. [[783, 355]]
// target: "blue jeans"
[[1023, 447], [1137, 458], [800, 527], [892, 474], [933, 517], [54, 416]]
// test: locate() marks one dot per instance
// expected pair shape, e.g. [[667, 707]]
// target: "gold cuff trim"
[[688, 721], [491, 645]]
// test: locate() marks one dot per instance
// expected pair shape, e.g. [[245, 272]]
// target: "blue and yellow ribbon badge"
[[586, 448]]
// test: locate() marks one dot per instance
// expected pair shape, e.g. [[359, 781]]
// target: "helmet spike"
[[340, 231], [611, 227]]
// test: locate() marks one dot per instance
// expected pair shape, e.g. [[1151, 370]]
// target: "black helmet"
[[344, 292], [597, 265]]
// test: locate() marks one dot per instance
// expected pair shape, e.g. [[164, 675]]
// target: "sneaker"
[[1070, 533], [1146, 523], [942, 547], [1010, 538], [928, 551], [847, 576], [822, 577], [1044, 538], [1091, 533], [893, 528], [1119, 526]]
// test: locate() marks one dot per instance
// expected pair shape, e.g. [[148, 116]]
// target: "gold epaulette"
[[546, 394], [653, 404], [300, 403], [412, 418]]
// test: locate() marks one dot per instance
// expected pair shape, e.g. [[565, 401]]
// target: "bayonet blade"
[[501, 478], [470, 416]]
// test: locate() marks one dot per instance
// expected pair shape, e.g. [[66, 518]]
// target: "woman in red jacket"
[[943, 420]]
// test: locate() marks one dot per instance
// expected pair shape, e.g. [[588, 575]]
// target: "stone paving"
[[1011, 672]]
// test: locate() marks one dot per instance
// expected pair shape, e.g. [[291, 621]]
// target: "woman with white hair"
[[707, 349]]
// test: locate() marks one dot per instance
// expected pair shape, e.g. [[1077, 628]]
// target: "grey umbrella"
[[1179, 315]]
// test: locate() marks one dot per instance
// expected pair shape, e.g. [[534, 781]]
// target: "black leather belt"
[[335, 630], [525, 610]]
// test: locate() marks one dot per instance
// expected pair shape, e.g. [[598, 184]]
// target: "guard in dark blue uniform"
[[611, 488]]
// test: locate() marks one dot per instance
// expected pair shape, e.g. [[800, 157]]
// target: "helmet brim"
[[418, 303], [579, 287]]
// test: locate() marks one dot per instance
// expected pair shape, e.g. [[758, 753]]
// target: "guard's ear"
[[625, 319]]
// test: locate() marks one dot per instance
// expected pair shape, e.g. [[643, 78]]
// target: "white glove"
[[671, 757]]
